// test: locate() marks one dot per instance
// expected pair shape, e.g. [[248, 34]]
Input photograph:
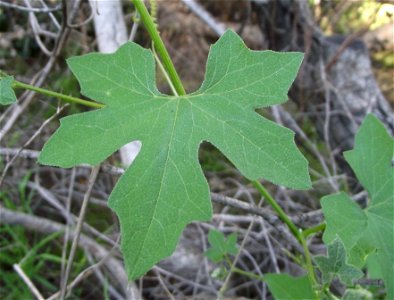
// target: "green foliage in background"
[[368, 231]]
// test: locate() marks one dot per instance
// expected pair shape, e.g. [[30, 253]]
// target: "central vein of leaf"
[[169, 146]]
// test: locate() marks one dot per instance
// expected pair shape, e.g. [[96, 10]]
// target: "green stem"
[[246, 273], [293, 228], [315, 229], [164, 72], [17, 84], [282, 215], [308, 261], [159, 45], [234, 269]]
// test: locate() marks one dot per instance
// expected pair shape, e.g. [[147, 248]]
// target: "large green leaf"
[[286, 287], [370, 230], [165, 189], [7, 95]]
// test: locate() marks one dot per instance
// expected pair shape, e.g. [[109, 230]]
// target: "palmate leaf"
[[372, 229], [7, 94], [165, 188], [220, 246], [335, 264]]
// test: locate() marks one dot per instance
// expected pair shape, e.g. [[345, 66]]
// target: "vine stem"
[[234, 269], [282, 215], [17, 84], [297, 232], [247, 274], [159, 45], [309, 264]]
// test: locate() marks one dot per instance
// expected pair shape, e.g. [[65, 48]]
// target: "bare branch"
[[68, 224], [197, 9], [31, 9], [32, 138], [28, 282], [92, 180], [84, 274], [39, 79], [268, 216]]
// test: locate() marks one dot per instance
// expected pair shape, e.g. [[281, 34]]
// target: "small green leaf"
[[165, 189], [219, 273], [285, 287], [7, 94], [220, 247], [370, 230], [335, 264]]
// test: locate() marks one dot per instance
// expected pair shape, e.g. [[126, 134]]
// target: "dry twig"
[[78, 229], [28, 282]]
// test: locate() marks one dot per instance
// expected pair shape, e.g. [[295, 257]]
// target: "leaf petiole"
[[20, 85], [247, 274], [293, 228], [315, 229]]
